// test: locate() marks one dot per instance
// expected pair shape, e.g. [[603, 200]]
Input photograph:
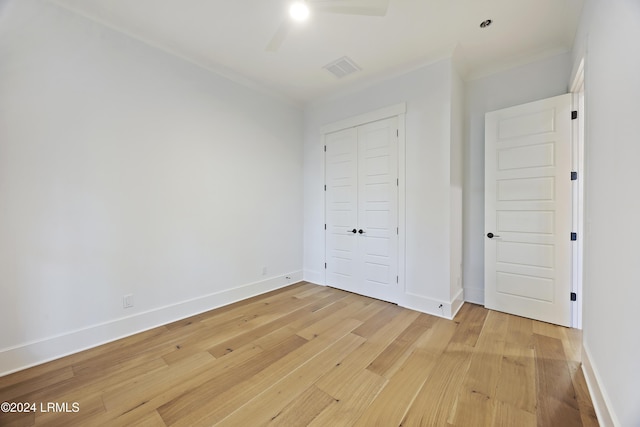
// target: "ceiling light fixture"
[[299, 11], [485, 24]]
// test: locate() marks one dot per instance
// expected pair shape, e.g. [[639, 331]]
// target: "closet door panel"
[[341, 210], [378, 208]]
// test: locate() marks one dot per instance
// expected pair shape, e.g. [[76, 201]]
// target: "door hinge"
[[397, 132], [574, 296], [325, 187], [397, 279], [574, 115], [574, 236], [325, 226], [397, 182], [325, 148], [325, 265], [398, 230], [574, 176]]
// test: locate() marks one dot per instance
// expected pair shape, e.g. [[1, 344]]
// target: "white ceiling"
[[230, 36]]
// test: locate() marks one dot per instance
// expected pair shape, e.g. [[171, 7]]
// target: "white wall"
[[457, 180], [125, 170], [608, 35], [427, 93], [537, 80]]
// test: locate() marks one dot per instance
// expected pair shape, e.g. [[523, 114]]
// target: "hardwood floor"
[[310, 355]]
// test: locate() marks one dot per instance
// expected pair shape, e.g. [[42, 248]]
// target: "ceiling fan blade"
[[352, 10], [279, 36], [352, 7]]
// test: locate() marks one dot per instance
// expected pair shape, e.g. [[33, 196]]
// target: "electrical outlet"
[[127, 301]]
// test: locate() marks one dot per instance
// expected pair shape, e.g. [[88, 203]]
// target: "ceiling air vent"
[[342, 67]]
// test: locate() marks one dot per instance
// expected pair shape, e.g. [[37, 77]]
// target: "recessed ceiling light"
[[485, 24], [299, 11]]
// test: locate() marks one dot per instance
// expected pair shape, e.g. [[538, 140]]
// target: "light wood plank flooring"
[[310, 355]]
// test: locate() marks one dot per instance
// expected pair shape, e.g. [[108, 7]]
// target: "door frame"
[[399, 111], [578, 164]]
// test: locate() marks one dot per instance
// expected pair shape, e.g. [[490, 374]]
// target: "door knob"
[[361, 231], [352, 231], [491, 235]]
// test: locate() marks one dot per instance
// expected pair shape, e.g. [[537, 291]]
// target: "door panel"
[[525, 189], [528, 209], [527, 124], [520, 285], [528, 156], [534, 255], [378, 207], [538, 222], [341, 207]]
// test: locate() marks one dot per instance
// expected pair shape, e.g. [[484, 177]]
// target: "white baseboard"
[[598, 395], [474, 295], [315, 277], [446, 309], [412, 301], [38, 352]]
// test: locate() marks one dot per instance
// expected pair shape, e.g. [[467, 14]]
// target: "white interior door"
[[361, 202], [528, 210]]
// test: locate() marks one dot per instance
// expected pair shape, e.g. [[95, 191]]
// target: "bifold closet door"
[[362, 209]]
